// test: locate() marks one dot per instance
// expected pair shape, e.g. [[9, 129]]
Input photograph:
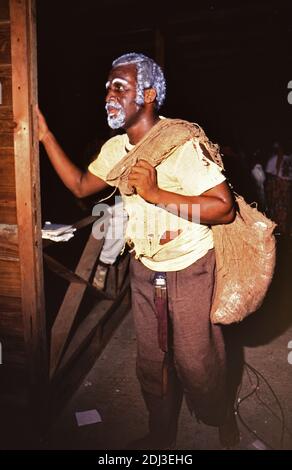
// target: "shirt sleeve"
[[111, 152], [195, 172]]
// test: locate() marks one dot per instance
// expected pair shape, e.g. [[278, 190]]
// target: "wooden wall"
[[11, 322], [7, 177], [22, 330]]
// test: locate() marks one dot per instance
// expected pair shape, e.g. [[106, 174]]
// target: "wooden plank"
[[26, 149], [6, 116], [10, 305], [9, 242], [71, 302], [6, 138], [11, 322], [10, 284], [6, 113], [7, 174], [11, 327], [84, 332], [13, 350], [4, 10], [5, 87], [67, 380], [61, 270], [8, 211], [98, 315], [5, 49]]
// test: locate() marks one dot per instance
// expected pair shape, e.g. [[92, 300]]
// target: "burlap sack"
[[245, 249], [245, 258]]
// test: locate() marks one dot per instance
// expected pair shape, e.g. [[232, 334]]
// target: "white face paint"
[[120, 81], [116, 116], [117, 83]]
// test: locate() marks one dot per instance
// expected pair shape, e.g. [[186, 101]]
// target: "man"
[[113, 243], [170, 208]]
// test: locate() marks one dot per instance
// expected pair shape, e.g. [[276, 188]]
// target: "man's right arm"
[[81, 183]]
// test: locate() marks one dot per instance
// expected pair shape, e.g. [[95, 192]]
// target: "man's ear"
[[150, 95]]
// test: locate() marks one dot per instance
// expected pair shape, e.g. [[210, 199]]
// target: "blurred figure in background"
[[259, 177], [279, 189]]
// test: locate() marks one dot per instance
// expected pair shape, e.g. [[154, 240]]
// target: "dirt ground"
[[264, 418]]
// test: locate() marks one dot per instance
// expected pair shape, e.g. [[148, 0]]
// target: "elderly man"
[[172, 193]]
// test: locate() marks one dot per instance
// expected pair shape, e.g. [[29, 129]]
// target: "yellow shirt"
[[186, 172]]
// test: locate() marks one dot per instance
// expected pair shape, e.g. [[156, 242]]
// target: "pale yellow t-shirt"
[[186, 171]]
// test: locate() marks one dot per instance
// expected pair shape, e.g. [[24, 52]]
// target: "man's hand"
[[42, 123], [143, 178]]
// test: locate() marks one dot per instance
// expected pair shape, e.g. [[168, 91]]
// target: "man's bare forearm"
[[81, 184], [203, 209], [69, 173]]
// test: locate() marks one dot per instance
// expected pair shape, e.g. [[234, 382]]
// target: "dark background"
[[227, 66]]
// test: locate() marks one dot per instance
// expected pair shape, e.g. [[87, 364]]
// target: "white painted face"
[[122, 109], [116, 116]]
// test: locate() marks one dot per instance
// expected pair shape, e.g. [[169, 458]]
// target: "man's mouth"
[[112, 111], [115, 115]]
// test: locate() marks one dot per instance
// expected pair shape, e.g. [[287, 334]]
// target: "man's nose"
[[110, 95]]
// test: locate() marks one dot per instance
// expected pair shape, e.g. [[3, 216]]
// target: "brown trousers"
[[197, 351]]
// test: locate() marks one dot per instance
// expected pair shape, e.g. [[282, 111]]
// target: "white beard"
[[118, 120]]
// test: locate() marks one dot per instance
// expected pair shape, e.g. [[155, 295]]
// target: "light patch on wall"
[[289, 97], [290, 353]]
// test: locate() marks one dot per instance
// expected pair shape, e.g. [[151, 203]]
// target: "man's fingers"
[[139, 170], [38, 111], [134, 179]]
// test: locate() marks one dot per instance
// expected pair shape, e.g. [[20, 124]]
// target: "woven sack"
[[245, 253]]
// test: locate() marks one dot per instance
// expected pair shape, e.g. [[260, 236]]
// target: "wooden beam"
[[71, 302], [5, 49], [9, 242], [10, 279], [69, 378], [62, 271], [8, 210], [6, 89], [95, 319], [102, 320], [7, 174], [26, 148]]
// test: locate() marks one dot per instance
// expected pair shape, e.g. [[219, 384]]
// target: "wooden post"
[[24, 93]]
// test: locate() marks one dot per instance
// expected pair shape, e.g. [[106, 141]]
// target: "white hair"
[[149, 75]]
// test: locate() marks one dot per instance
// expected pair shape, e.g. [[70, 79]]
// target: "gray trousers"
[[196, 363], [114, 238]]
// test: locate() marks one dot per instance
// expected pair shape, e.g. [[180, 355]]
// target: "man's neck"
[[140, 129]]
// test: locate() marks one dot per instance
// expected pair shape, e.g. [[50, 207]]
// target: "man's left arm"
[[214, 206]]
